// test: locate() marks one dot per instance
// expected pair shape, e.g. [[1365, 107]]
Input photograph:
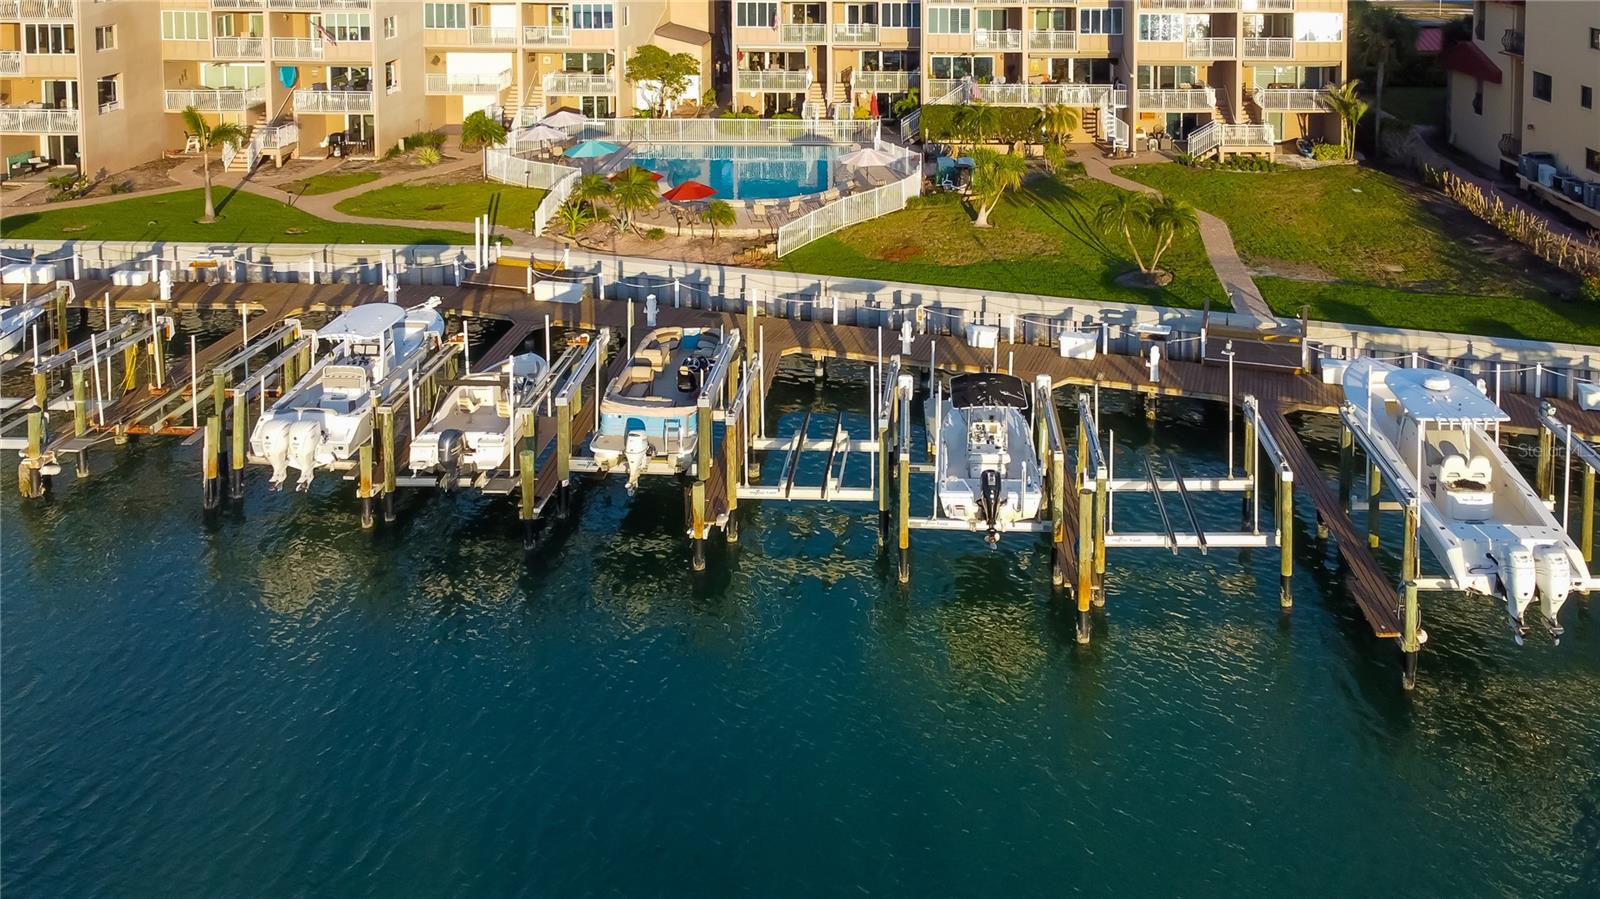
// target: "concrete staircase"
[[254, 118], [816, 101]]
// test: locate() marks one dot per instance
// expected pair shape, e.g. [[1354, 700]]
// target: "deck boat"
[[648, 411], [327, 416], [987, 470], [475, 427], [1477, 513], [14, 322]]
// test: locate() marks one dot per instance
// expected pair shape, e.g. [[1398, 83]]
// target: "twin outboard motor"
[[305, 440], [636, 455], [452, 446], [1517, 580], [989, 502]]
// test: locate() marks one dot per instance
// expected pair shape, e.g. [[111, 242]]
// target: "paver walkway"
[[1214, 236]]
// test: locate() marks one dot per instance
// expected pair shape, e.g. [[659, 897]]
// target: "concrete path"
[[1214, 236]]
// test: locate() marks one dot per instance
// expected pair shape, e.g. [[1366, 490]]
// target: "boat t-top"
[[14, 322], [476, 426], [1484, 523], [327, 416], [987, 470], [648, 411]]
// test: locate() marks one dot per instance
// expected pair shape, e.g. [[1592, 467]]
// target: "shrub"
[[787, 115], [69, 186], [434, 139], [656, 234], [122, 187], [1591, 288], [1327, 151], [428, 156], [1187, 159], [1011, 123]]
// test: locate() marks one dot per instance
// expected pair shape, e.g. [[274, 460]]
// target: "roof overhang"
[[1466, 57]]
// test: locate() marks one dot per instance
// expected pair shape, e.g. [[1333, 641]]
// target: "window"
[[949, 20], [349, 78], [444, 15], [1542, 87], [756, 15], [105, 37], [592, 16], [1594, 39], [889, 60], [106, 93], [1100, 21], [40, 38], [1591, 159], [1319, 27], [1167, 77], [1160, 27], [1052, 20], [596, 107], [595, 63], [899, 15], [183, 25], [980, 68], [1586, 97], [390, 29], [1477, 99], [391, 76], [348, 26]]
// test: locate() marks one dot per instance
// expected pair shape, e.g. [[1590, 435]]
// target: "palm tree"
[[976, 121], [591, 189], [1349, 107], [1381, 35], [1168, 217], [903, 106], [717, 214], [576, 216], [479, 132], [211, 137], [1125, 210], [1059, 122], [993, 174], [633, 193]]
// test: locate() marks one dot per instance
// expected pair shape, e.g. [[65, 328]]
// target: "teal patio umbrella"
[[592, 149]]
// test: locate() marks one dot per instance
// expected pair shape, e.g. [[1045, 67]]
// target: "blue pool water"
[[746, 172]]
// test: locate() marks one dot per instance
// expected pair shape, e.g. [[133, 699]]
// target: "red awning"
[[1467, 59], [1430, 40]]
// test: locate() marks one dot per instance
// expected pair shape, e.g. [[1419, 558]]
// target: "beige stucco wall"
[[1558, 45], [122, 138], [1478, 135]]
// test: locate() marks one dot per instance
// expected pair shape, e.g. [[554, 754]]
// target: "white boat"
[[987, 470], [14, 323], [475, 427], [1484, 523], [327, 416], [648, 411]]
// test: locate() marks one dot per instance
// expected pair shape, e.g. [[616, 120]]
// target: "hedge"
[[1012, 123]]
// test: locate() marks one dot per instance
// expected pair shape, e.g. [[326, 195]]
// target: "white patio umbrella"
[[539, 134], [866, 158], [566, 118]]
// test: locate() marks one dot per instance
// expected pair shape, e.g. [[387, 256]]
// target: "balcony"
[[883, 82], [862, 33], [985, 39], [571, 84], [238, 48], [1513, 41], [756, 82], [319, 4], [37, 120], [37, 9], [802, 34], [1267, 5], [297, 48], [491, 36], [1052, 40], [225, 99], [1268, 48], [10, 62], [1192, 5], [1177, 100], [951, 90], [546, 35], [1211, 48], [238, 4], [332, 101], [1304, 99], [446, 83]]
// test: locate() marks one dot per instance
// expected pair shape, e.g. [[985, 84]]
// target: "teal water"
[[273, 702]]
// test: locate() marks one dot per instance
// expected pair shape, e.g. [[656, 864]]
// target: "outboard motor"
[[1553, 572], [452, 446], [989, 502], [271, 442], [305, 439], [635, 455], [1517, 580]]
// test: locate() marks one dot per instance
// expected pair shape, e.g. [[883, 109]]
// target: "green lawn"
[[1414, 105], [243, 218], [1041, 241], [1393, 261], [331, 182], [510, 207]]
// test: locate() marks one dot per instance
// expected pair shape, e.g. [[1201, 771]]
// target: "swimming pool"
[[743, 171]]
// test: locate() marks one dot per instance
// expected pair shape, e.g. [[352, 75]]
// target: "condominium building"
[[1522, 97]]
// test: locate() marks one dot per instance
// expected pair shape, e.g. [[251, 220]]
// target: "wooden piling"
[[904, 480], [527, 497], [211, 469], [730, 456], [1085, 565], [386, 434], [58, 321], [1374, 501], [1586, 516], [1545, 475], [1411, 634], [563, 454], [883, 487], [1101, 509], [364, 485], [1058, 517], [41, 392], [1347, 462], [80, 403], [702, 464], [30, 480], [697, 524], [1410, 559], [1285, 539], [241, 421]]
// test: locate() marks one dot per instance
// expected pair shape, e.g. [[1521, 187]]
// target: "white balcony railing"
[[802, 34], [792, 82], [238, 47], [45, 9], [577, 83], [1052, 40], [985, 39], [546, 35], [296, 47], [27, 120], [1306, 99], [332, 101], [863, 33], [1214, 135], [320, 4], [10, 62], [1268, 48], [275, 137], [1267, 5], [1197, 98], [226, 99], [1195, 5], [1209, 48], [883, 82], [445, 83], [238, 4], [492, 36], [949, 90]]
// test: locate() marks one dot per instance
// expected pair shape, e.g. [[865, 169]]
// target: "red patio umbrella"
[[872, 106], [689, 191], [654, 176]]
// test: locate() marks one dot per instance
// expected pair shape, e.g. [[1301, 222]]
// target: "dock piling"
[[527, 497], [697, 524], [1285, 537], [1586, 516], [386, 434], [364, 485], [1411, 634], [211, 470], [241, 419], [1545, 474], [1347, 462], [563, 453], [1085, 564], [1374, 502], [1058, 517]]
